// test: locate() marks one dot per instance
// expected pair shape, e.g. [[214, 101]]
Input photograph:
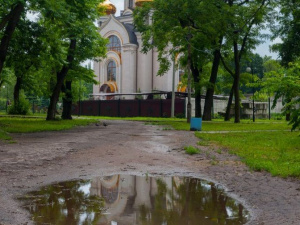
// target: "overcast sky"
[[119, 4]]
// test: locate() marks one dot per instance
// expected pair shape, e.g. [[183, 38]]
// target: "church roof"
[[131, 33]]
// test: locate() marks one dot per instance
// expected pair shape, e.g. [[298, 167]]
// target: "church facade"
[[125, 69]]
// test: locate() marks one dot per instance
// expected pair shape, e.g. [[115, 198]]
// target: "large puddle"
[[133, 200]]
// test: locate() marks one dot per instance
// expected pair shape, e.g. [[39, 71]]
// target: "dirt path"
[[132, 147]]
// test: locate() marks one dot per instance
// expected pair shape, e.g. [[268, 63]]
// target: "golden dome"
[[141, 2], [109, 7], [181, 87]]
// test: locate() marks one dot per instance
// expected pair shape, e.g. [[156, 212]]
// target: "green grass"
[[4, 136], [228, 126], [28, 125], [216, 125], [266, 146], [275, 152], [191, 150]]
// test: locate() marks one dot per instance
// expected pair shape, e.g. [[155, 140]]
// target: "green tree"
[[210, 87], [72, 37], [284, 83], [246, 20], [180, 26], [82, 75], [10, 14], [288, 31], [26, 55]]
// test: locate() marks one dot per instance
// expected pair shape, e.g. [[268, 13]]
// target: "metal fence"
[[129, 108]]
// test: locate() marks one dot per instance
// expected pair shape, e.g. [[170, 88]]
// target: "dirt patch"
[[134, 148]]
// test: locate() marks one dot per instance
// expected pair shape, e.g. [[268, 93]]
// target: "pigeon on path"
[[103, 123]]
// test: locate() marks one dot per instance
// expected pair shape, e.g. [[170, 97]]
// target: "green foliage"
[[285, 84], [2, 104], [288, 30], [20, 108], [39, 48], [294, 109], [271, 64], [170, 28], [6, 77]]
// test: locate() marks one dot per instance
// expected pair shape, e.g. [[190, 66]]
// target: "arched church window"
[[111, 71], [130, 3], [114, 44]]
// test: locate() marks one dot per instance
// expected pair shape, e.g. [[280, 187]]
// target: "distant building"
[[125, 69]]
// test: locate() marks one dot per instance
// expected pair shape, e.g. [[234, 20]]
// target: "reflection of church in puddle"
[[125, 195], [131, 200], [125, 69]]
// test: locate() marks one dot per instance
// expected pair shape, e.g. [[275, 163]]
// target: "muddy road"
[[125, 147]]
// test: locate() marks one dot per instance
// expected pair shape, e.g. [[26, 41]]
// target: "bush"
[[20, 108], [191, 150], [218, 115], [2, 104], [277, 116], [180, 115]]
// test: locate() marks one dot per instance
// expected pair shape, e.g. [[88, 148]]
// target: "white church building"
[[125, 69]]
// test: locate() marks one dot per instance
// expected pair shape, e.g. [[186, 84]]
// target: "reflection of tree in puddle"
[[191, 201], [64, 203], [131, 200]]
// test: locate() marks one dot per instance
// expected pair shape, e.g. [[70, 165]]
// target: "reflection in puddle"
[[132, 200]]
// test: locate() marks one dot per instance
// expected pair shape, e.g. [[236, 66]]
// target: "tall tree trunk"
[[209, 98], [236, 86], [196, 75], [17, 90], [228, 109], [237, 106], [15, 16], [288, 113], [198, 111], [60, 81], [67, 101]]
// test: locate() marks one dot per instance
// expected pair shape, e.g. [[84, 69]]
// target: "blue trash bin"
[[196, 124]]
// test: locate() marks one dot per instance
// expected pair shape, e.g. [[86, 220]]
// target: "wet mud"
[[123, 147]]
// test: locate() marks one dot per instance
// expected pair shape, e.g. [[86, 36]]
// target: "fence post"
[[119, 107], [161, 108], [213, 109], [80, 106], [99, 107], [139, 107]]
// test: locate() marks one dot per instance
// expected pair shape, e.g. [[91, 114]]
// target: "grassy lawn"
[[268, 145], [216, 125], [245, 125], [27, 125], [276, 152]]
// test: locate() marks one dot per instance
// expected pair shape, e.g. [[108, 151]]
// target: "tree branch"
[[226, 67]]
